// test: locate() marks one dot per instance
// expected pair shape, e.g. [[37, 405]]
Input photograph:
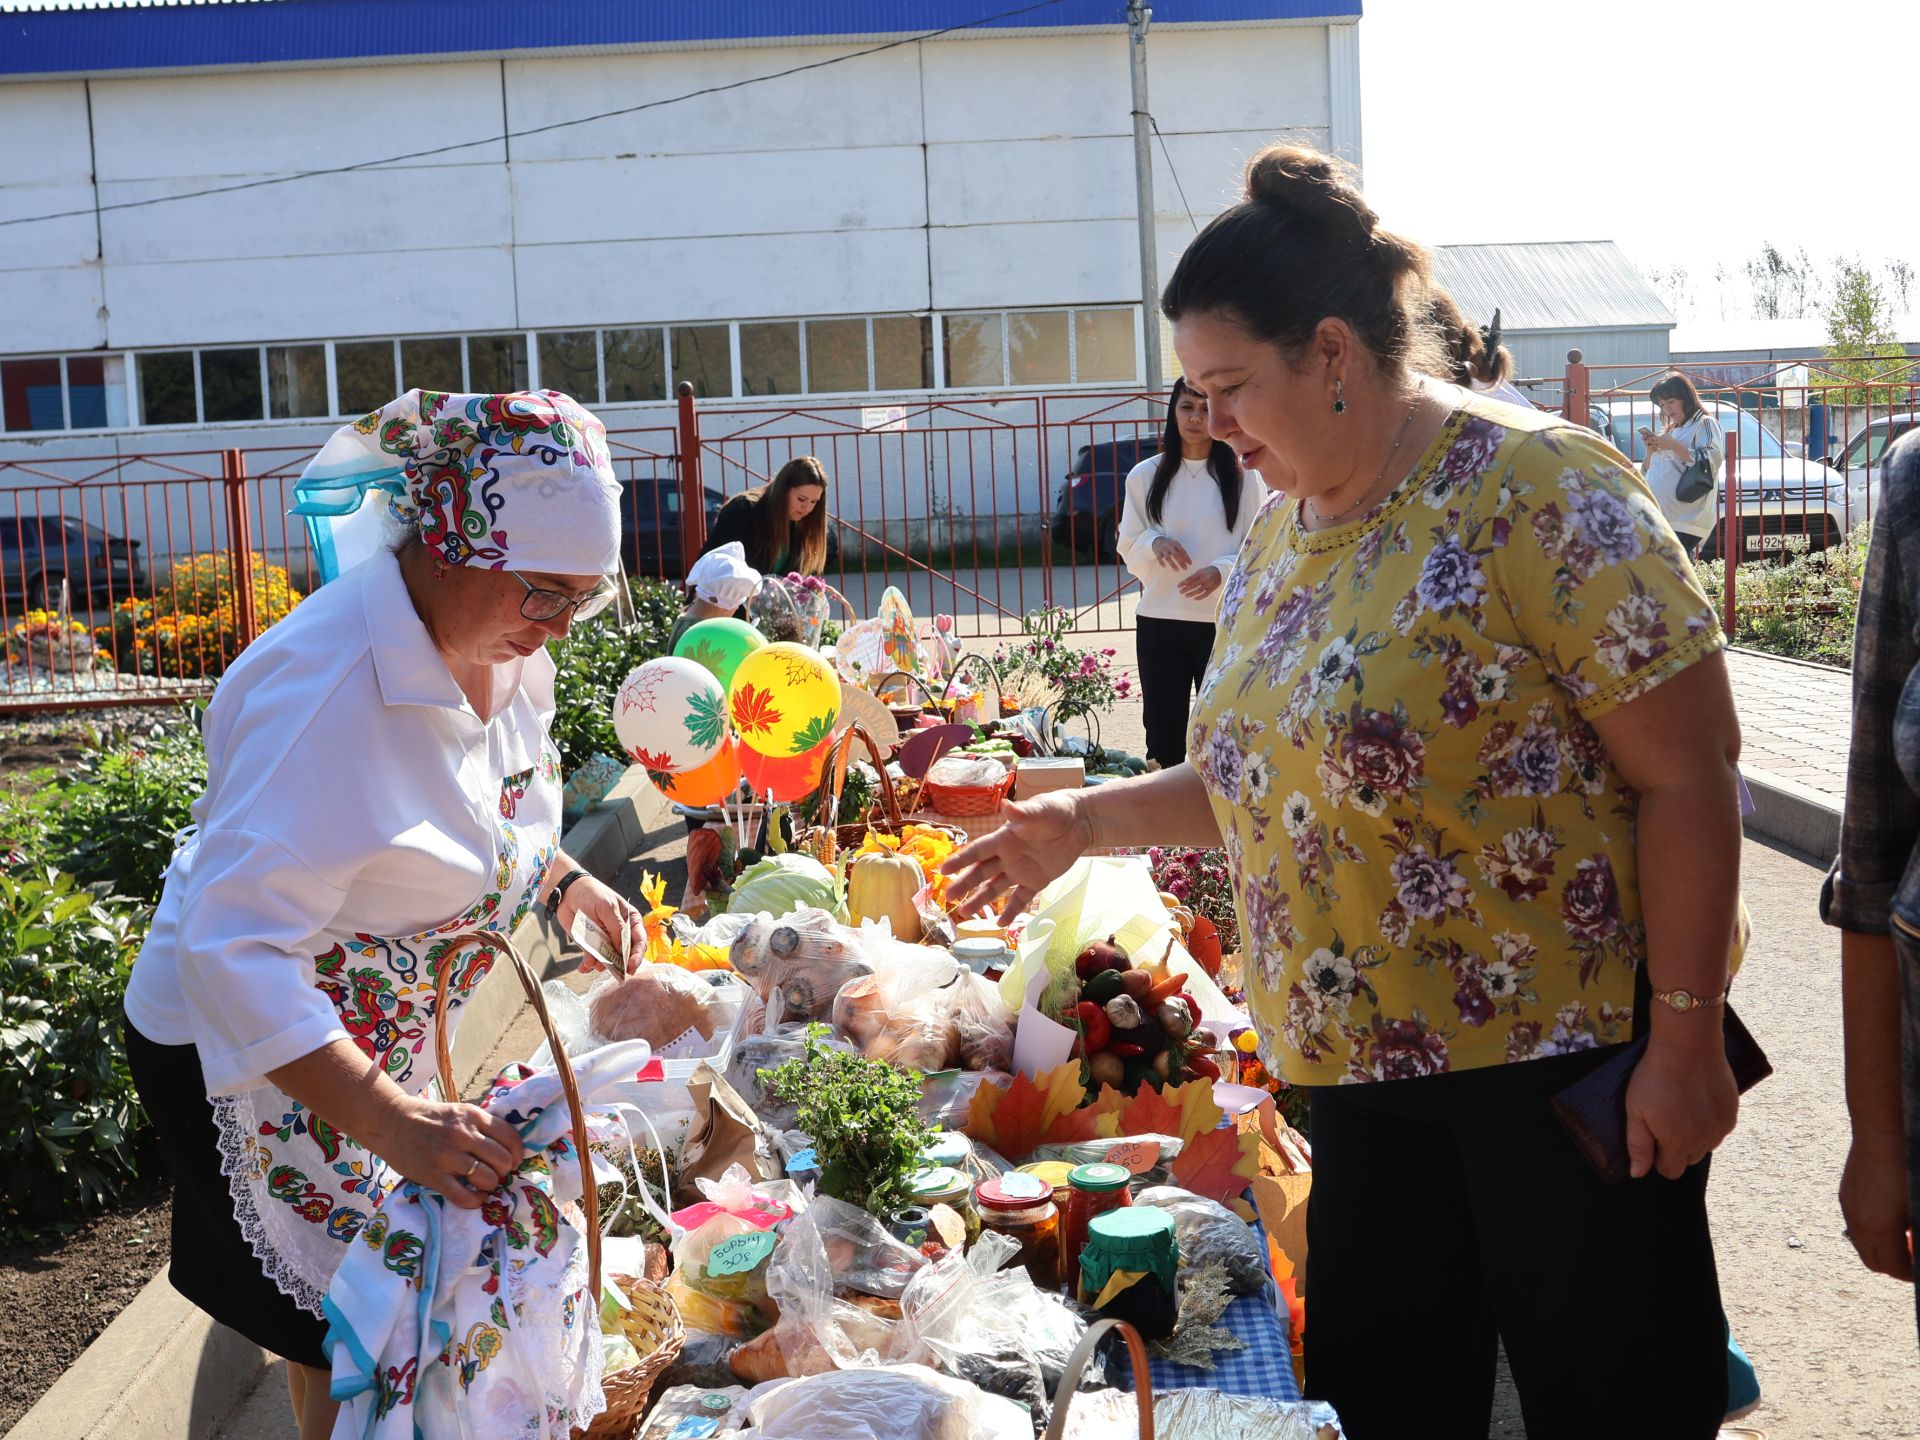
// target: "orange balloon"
[[706, 784], [789, 777]]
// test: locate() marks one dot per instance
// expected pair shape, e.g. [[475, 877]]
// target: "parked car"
[[650, 525], [37, 552], [1862, 456], [1086, 516], [1789, 504]]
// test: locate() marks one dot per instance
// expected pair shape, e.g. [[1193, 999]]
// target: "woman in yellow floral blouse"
[[1468, 741]]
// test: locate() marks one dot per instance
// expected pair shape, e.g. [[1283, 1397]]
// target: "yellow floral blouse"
[[1432, 853]]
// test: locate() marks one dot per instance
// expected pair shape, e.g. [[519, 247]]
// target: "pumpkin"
[[1204, 945], [882, 887]]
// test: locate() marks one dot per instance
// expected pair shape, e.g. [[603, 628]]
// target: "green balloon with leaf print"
[[719, 646]]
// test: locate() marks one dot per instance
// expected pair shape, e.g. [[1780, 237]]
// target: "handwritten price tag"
[[740, 1253], [1139, 1156]]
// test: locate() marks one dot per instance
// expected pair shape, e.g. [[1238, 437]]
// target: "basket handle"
[[833, 779], [1077, 1362], [912, 679], [443, 1053], [961, 667]]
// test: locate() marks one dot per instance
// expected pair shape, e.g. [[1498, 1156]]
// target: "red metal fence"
[[984, 508]]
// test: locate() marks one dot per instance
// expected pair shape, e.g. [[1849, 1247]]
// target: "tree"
[[1670, 284], [1857, 329], [1781, 285], [1900, 279]]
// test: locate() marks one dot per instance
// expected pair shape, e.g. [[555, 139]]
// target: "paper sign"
[[1139, 1156], [883, 417], [948, 1225], [741, 1253]]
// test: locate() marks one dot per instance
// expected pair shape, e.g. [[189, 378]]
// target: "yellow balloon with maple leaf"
[[784, 700]]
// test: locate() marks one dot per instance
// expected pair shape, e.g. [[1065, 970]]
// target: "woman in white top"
[[1691, 434], [1186, 511], [379, 785]]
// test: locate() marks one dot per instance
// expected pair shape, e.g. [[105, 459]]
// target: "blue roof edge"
[[308, 32]]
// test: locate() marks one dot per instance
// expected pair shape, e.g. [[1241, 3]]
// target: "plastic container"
[[943, 1185], [1093, 1191], [1021, 1208], [1141, 1240]]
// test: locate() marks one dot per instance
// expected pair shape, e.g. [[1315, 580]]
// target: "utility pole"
[[1138, 18]]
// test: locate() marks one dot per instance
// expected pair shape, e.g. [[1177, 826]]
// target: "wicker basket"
[[824, 842], [1077, 1362], [653, 1325], [966, 801]]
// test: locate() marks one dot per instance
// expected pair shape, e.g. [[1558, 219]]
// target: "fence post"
[[1731, 540], [693, 494], [233, 474], [1577, 402]]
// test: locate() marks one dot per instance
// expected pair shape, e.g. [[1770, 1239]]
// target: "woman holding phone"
[[1691, 434]]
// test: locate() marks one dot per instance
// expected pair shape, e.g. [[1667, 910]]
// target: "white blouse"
[[351, 790], [1193, 515]]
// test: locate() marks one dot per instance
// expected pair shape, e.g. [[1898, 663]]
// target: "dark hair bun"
[[1313, 186]]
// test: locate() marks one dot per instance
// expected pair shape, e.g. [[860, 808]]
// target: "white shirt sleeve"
[[1136, 535], [244, 945], [1253, 490]]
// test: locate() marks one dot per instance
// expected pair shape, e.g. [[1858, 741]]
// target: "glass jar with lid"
[[943, 1185], [1093, 1190], [1129, 1269], [1021, 1207]]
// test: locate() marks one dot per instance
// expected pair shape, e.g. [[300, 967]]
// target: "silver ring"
[[467, 1177]]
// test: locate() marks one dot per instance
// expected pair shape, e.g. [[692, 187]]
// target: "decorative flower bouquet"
[[1044, 670], [47, 640]]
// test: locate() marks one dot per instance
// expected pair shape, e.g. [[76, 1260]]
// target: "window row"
[[842, 356]]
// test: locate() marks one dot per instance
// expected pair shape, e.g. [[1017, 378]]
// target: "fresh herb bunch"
[[864, 1117], [621, 1213]]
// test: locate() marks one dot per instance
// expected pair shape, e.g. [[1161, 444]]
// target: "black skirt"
[[213, 1265]]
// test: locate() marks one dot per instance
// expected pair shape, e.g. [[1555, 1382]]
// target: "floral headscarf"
[[521, 481]]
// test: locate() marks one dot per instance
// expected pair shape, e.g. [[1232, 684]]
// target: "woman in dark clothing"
[[1873, 893], [783, 526]]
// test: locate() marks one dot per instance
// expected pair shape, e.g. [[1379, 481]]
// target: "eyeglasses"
[[542, 605]]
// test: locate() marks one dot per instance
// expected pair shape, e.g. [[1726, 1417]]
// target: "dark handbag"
[[1594, 1107], [1695, 481]]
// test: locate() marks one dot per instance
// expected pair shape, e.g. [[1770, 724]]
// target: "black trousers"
[[1451, 1211], [1173, 662]]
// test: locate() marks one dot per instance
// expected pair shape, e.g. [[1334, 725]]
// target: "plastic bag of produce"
[[798, 963], [1208, 1231], [894, 1402], [720, 1258], [923, 1010]]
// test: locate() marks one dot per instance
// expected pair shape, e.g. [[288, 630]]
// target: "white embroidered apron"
[[301, 1188]]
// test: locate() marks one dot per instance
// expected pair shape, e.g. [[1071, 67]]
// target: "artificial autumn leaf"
[[753, 711], [1218, 1165], [1288, 1282], [1016, 1119], [815, 732], [706, 719], [1183, 1111]]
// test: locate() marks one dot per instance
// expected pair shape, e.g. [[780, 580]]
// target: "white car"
[[1860, 461], [1788, 503]]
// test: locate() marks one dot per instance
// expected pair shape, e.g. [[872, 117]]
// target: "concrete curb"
[[164, 1370], [1793, 815]]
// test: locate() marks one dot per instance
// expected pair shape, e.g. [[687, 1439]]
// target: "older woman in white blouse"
[[380, 784]]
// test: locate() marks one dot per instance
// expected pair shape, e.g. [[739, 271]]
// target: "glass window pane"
[[296, 380], [974, 354], [166, 388], [770, 359], [902, 352], [567, 364], [1103, 345], [1037, 347], [636, 363], [430, 365], [96, 391], [30, 394], [230, 385], [836, 356], [496, 364], [700, 355], [363, 369]]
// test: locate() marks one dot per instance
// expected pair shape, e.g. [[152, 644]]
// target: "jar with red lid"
[[1021, 1207], [1093, 1190]]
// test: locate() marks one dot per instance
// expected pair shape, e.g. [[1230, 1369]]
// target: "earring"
[[1339, 397]]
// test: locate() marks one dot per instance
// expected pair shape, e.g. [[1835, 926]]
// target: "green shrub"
[[592, 661], [67, 1104], [1804, 608], [122, 806]]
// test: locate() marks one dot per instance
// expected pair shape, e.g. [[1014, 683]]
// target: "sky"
[[1690, 131]]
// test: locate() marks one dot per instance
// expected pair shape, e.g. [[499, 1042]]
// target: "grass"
[[1803, 609]]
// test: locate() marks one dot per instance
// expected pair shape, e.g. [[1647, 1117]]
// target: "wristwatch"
[[1685, 1000], [554, 895]]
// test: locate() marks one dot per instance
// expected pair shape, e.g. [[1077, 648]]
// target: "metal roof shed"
[[1559, 296]]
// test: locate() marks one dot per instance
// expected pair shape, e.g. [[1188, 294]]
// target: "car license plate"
[[1763, 544]]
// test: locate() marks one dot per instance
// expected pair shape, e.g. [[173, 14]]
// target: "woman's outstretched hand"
[[1037, 844]]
